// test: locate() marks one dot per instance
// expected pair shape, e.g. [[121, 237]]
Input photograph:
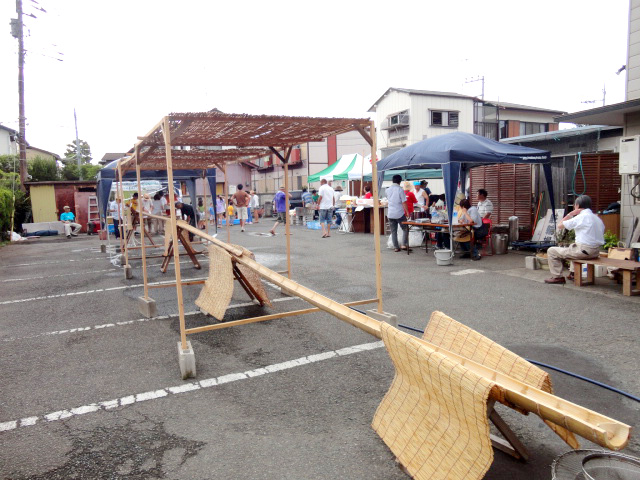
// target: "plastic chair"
[[486, 242]]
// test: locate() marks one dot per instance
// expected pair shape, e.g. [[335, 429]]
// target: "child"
[[230, 212]]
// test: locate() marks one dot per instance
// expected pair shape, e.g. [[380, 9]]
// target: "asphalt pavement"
[[91, 389]]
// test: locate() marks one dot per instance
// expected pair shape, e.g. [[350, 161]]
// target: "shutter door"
[[509, 187], [602, 179]]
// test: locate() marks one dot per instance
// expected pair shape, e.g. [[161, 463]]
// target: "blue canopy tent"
[[455, 153], [108, 174]]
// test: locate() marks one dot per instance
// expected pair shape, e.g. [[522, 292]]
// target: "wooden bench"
[[627, 267]]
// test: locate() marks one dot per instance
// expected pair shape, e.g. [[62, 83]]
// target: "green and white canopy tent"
[[348, 167]]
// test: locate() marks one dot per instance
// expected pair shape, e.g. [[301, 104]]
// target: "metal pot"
[[500, 241]]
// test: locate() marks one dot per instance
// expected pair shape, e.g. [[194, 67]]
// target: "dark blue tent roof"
[[455, 153], [107, 175], [464, 148]]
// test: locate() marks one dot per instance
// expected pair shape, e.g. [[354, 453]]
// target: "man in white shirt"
[[589, 231], [326, 201], [485, 206], [397, 213], [115, 210]]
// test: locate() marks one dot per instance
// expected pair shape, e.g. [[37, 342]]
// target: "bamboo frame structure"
[[209, 129], [591, 425]]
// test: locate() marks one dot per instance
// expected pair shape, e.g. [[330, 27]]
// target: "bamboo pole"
[[287, 217], [591, 425], [264, 318], [145, 280], [376, 214], [174, 230], [205, 186]]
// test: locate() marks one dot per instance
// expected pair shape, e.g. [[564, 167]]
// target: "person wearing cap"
[[69, 219], [280, 201], [147, 207], [255, 205], [589, 231], [421, 195], [411, 198]]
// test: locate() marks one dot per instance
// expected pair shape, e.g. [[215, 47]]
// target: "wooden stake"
[[145, 280], [174, 230], [287, 217], [376, 214]]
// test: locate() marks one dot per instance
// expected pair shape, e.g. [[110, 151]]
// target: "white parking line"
[[59, 275], [182, 388], [468, 271], [131, 322], [56, 262], [97, 290]]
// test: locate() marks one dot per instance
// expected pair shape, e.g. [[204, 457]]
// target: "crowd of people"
[[404, 200]]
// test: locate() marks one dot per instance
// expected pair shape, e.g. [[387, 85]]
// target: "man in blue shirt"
[[281, 208], [68, 218]]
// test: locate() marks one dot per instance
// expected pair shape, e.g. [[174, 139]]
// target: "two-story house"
[[406, 116]]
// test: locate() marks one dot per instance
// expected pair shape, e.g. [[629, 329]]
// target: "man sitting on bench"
[[69, 219], [589, 231]]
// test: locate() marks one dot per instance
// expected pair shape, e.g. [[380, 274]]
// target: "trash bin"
[[500, 241], [514, 235]]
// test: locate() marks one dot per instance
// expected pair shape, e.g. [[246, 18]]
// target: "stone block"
[[390, 318], [147, 307], [187, 361], [103, 248], [531, 263], [128, 273]]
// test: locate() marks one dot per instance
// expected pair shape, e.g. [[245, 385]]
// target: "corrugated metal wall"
[[509, 188]]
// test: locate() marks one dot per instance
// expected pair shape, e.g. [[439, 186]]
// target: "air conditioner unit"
[[629, 155]]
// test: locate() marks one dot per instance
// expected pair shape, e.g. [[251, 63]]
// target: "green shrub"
[[610, 240], [43, 169]]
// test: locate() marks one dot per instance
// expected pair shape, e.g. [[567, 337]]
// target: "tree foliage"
[[70, 170], [7, 162], [43, 169], [70, 154]]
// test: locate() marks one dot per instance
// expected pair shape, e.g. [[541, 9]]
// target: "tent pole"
[[120, 207], [174, 231], [123, 238], [141, 201], [205, 185], [226, 203], [376, 214]]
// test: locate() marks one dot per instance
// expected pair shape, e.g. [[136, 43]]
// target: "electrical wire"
[[551, 367]]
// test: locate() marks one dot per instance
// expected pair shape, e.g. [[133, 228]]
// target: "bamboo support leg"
[[243, 283], [184, 239], [244, 280]]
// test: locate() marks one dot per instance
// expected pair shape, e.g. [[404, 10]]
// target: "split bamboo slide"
[[597, 428]]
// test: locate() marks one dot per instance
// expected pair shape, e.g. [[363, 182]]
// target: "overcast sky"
[[128, 63]]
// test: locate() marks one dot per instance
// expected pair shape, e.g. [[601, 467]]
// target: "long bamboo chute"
[[591, 425]]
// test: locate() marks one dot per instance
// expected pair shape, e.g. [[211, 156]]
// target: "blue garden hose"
[[571, 374]]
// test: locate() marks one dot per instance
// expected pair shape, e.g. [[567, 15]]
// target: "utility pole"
[[78, 151], [22, 142], [477, 79]]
